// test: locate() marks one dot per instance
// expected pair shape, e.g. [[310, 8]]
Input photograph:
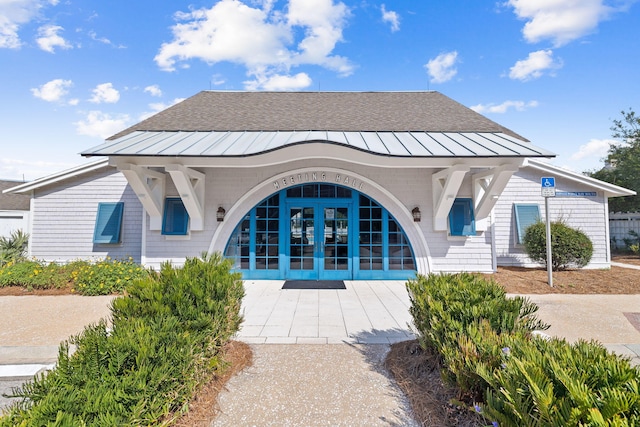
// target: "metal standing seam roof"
[[249, 143], [398, 124]]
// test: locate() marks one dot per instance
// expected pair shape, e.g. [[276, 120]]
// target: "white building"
[[14, 210], [313, 185]]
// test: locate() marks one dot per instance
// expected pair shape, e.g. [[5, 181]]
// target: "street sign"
[[548, 184]]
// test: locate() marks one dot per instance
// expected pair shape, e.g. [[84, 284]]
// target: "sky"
[[73, 73]]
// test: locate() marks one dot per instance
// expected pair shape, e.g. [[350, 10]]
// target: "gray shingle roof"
[[13, 202], [319, 111]]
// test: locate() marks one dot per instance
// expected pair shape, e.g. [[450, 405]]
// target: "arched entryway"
[[319, 231]]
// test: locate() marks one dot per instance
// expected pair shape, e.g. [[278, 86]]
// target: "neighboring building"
[[313, 185], [14, 210]]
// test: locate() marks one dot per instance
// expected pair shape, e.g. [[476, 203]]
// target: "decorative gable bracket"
[[190, 186], [487, 187], [149, 186], [445, 185]]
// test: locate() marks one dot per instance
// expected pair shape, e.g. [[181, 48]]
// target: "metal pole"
[[549, 259]]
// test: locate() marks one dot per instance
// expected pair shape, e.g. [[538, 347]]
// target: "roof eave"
[[58, 177], [610, 190]]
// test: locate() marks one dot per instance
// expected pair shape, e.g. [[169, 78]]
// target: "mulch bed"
[[433, 402]]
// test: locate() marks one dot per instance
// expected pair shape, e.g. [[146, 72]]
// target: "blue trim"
[[526, 215], [461, 218], [321, 198], [108, 225], [175, 219]]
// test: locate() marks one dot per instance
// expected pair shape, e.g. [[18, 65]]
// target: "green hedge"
[[514, 377], [101, 277], [164, 342]]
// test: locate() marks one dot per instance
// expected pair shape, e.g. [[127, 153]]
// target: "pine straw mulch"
[[204, 408], [433, 402]]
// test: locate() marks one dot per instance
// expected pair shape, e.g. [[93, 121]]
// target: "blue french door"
[[319, 240]]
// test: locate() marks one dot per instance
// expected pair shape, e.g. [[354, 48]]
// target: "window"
[[175, 221], [461, 219], [108, 223], [526, 215]]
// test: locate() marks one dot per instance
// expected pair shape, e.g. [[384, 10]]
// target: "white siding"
[[11, 221], [588, 214], [64, 217]]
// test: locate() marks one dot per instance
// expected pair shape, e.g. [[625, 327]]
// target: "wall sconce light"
[[220, 214], [417, 216]]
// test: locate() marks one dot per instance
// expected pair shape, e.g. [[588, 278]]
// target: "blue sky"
[[75, 72]]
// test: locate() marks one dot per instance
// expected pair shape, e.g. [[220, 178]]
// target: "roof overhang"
[[58, 177], [610, 190], [241, 144]]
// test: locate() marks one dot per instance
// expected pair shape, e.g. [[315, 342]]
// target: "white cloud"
[[101, 125], [504, 107], [53, 91], [534, 66], [279, 82], [270, 49], [153, 90], [217, 80], [48, 38], [442, 68], [391, 17], [595, 148], [105, 92], [15, 13], [561, 21]]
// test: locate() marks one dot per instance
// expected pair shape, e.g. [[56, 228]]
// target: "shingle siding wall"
[[65, 214], [585, 213]]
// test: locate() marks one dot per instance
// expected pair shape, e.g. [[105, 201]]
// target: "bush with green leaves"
[[107, 276], [569, 247], [102, 277], [512, 377], [164, 342], [449, 308], [14, 247], [553, 383], [33, 274]]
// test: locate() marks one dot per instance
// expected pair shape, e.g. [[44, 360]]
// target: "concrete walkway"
[[367, 312]]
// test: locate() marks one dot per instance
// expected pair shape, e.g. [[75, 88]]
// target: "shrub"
[[164, 343], [35, 275], [569, 247], [523, 380], [449, 308], [106, 276], [14, 247], [554, 383]]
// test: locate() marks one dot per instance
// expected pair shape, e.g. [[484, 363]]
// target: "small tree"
[[622, 164], [14, 247], [569, 247]]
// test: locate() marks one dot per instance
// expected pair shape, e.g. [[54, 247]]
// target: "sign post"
[[548, 190]]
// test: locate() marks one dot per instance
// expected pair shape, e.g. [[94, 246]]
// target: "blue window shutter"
[[526, 215], [108, 223], [461, 218], [176, 219]]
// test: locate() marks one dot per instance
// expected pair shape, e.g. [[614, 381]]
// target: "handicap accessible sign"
[[548, 184]]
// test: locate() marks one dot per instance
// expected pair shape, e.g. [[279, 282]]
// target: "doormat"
[[634, 319], [314, 284]]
